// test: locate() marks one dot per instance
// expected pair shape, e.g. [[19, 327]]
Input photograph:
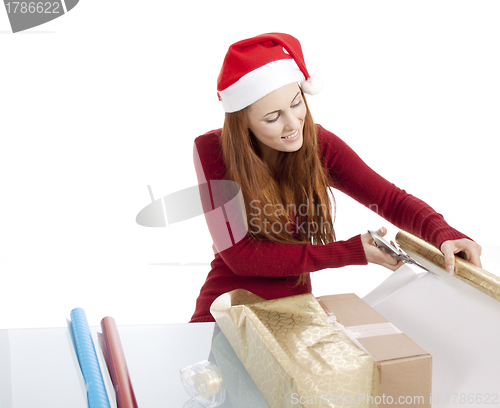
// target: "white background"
[[100, 103]]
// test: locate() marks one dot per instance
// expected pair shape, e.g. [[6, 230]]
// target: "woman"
[[270, 235]]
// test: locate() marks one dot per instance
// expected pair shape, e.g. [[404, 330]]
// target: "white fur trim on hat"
[[258, 83]]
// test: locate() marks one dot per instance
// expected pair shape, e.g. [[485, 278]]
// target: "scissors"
[[396, 253]]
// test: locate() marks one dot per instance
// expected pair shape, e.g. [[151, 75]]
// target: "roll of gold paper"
[[478, 278]]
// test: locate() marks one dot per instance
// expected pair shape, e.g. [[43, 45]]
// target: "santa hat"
[[257, 66]]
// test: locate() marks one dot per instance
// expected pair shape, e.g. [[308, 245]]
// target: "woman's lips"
[[293, 136]]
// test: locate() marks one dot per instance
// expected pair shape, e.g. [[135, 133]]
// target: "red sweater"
[[263, 267]]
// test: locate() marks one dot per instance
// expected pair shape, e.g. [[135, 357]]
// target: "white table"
[[39, 367]]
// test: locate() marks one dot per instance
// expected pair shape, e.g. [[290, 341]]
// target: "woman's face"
[[277, 121]]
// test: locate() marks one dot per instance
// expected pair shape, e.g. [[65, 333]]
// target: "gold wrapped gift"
[[294, 353], [478, 278]]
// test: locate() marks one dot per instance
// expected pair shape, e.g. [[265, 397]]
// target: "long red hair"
[[288, 204]]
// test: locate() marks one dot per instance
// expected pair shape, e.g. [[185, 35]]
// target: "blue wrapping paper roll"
[[87, 357]]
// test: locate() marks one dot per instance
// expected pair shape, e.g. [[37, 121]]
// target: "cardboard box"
[[405, 368]]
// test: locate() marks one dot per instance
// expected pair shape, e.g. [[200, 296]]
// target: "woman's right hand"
[[375, 255]]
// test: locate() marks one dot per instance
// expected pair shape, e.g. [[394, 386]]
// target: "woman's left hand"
[[470, 249]]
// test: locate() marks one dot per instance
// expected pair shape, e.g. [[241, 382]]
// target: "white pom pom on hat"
[[259, 65], [313, 85]]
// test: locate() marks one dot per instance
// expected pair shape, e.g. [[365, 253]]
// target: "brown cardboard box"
[[405, 368]]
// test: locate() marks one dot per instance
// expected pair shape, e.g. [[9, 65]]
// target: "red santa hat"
[[257, 66]]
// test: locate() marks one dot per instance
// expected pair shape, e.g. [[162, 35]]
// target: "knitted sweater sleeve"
[[353, 177], [259, 258]]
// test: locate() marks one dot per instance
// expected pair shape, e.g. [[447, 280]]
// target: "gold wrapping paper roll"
[[292, 351], [478, 278]]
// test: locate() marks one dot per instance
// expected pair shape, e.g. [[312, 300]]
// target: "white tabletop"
[[39, 367]]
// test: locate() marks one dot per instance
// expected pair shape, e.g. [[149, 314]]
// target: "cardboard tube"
[[478, 278], [117, 366]]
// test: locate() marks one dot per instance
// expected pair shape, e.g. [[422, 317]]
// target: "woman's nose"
[[292, 121]]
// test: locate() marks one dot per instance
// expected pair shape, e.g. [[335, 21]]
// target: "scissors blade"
[[413, 262], [395, 252]]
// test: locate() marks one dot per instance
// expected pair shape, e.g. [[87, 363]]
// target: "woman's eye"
[[273, 120], [297, 104]]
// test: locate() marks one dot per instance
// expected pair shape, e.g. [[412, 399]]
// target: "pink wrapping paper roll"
[[117, 366]]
